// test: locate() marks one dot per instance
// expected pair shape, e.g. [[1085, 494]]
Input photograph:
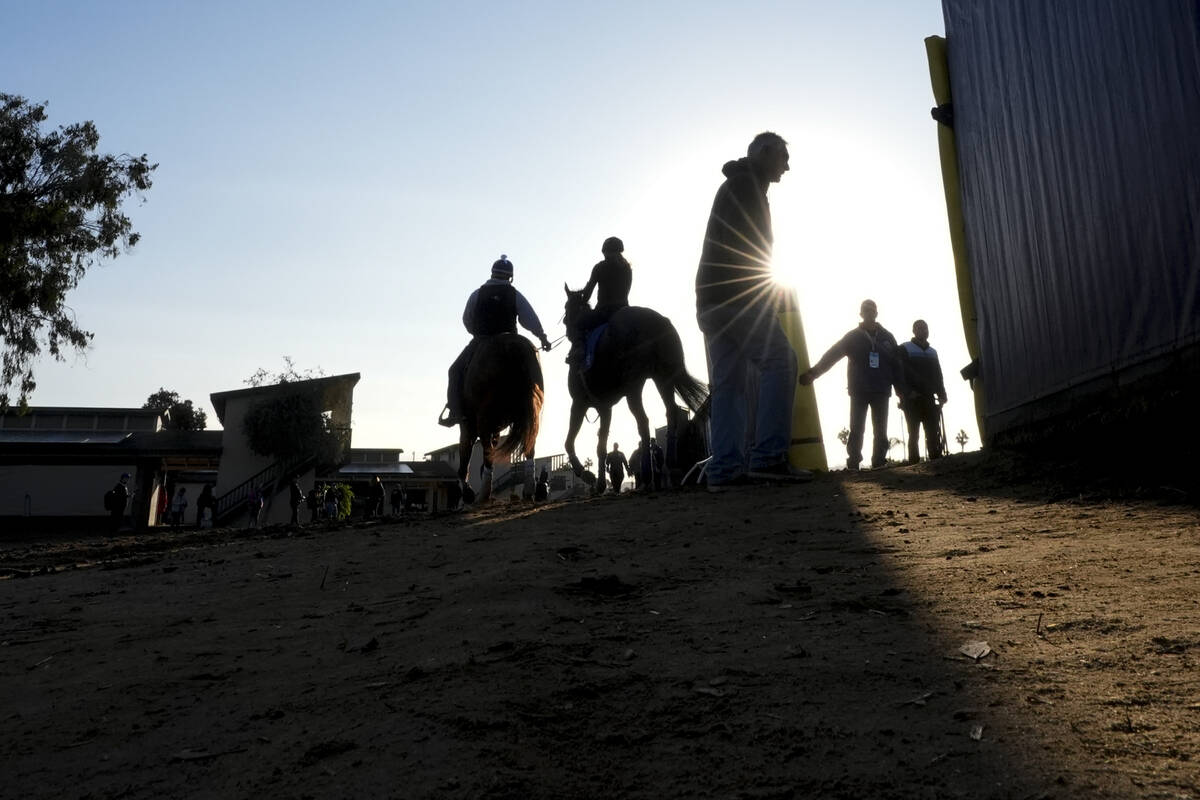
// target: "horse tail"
[[522, 433], [693, 392], [690, 389]]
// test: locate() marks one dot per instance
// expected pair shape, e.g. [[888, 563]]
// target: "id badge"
[[873, 360]]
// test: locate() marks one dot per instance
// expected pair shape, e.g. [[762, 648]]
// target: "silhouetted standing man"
[[871, 371], [618, 465], [926, 393], [119, 498], [295, 500], [737, 309]]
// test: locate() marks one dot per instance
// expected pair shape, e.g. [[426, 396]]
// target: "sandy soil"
[[775, 642]]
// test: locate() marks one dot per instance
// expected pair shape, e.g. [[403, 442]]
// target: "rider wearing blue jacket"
[[494, 308]]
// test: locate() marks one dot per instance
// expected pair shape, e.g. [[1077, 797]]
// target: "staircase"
[[269, 481]]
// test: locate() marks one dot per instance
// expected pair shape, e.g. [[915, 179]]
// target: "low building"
[[56, 463], [245, 473], [426, 485]]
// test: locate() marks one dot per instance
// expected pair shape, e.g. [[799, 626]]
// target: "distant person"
[[635, 458], [163, 516], [542, 491], [658, 464], [872, 370], [492, 309], [115, 501], [617, 467], [254, 504], [737, 310], [926, 393], [295, 500], [331, 503], [375, 497], [179, 504], [205, 501], [613, 277], [397, 500], [314, 502]]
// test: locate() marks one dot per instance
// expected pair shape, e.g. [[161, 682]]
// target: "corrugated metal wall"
[[1078, 131]]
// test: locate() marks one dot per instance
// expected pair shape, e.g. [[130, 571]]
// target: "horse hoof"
[[468, 495]]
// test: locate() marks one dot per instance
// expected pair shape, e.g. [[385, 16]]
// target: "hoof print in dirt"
[[601, 586], [797, 589], [319, 752]]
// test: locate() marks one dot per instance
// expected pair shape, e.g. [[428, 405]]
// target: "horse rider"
[[613, 277], [492, 309]]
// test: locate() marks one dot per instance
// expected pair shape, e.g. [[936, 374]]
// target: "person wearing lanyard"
[[871, 372]]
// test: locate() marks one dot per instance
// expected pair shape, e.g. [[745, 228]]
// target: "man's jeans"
[[918, 411], [752, 379], [878, 403]]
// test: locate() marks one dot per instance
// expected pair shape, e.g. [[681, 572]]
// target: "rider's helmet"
[[502, 269]]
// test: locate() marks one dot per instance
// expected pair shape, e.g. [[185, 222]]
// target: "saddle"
[[589, 346]]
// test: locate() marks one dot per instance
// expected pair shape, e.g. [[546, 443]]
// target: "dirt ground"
[[773, 642]]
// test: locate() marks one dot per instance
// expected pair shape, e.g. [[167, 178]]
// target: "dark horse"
[[639, 344], [502, 388]]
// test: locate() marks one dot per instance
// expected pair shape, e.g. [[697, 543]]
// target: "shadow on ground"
[[769, 643]]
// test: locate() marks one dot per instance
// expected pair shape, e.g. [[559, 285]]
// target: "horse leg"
[[485, 472], [466, 443], [634, 399], [605, 415], [578, 410], [530, 483], [671, 455]]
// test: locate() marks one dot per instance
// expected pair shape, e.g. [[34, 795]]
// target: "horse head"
[[574, 306]]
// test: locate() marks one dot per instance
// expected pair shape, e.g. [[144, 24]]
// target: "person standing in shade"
[[331, 504], [118, 497], [314, 504], [295, 500], [926, 393], [254, 504], [375, 498], [737, 304], [397, 500], [205, 500], [617, 467], [871, 372], [179, 505], [658, 463]]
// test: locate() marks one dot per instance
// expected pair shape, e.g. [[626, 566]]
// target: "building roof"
[[80, 418], [401, 470], [323, 385]]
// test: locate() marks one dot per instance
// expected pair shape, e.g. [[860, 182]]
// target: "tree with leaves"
[[60, 214], [182, 415], [962, 438], [844, 436], [289, 425]]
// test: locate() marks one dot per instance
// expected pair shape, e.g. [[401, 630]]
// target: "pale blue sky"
[[335, 180]]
